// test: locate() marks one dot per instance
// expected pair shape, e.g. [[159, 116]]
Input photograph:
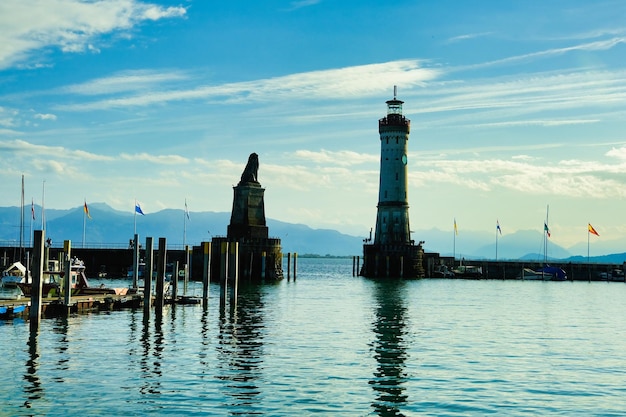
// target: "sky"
[[515, 107]]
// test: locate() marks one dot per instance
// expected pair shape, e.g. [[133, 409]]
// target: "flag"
[[86, 209], [545, 228], [498, 227], [32, 208], [138, 209], [591, 229], [186, 210], [456, 231]]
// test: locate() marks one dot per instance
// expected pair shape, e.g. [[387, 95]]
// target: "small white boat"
[[13, 275]]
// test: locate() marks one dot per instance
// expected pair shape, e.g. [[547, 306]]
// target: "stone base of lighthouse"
[[393, 261]]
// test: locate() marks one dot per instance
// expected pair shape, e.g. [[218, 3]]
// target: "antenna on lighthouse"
[[395, 91]]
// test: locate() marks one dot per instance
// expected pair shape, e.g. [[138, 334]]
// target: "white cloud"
[[342, 158], [342, 83], [70, 25], [125, 81], [45, 116]]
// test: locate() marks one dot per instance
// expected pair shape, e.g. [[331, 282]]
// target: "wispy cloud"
[[70, 25], [468, 36], [156, 159], [588, 46], [126, 81], [349, 82], [21, 147], [340, 158]]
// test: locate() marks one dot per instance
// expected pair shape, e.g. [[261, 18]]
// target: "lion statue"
[[250, 173]]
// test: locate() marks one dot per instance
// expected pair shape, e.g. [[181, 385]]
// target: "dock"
[[54, 306]]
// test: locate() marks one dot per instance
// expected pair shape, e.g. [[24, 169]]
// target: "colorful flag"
[[138, 209], [32, 208], [591, 229], [456, 231], [498, 227], [86, 209], [545, 228]]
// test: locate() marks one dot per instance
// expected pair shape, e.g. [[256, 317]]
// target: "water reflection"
[[240, 343], [389, 347], [33, 389], [150, 363]]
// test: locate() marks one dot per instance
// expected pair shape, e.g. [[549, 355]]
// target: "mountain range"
[[113, 228]]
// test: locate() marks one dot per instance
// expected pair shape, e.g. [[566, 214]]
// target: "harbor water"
[[332, 344]]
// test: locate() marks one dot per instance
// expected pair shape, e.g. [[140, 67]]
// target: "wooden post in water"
[[263, 261], [387, 266], [67, 281], [353, 266], [147, 279], [186, 270], [136, 260], [175, 283], [37, 276], [223, 273], [160, 278], [234, 274], [358, 265], [206, 272], [288, 266], [401, 266], [295, 265]]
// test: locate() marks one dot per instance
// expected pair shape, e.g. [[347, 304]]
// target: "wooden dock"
[[54, 306]]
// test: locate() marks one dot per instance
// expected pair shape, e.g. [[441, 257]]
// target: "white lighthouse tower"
[[393, 253]]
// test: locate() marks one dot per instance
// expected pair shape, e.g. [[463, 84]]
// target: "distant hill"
[[115, 228], [108, 226]]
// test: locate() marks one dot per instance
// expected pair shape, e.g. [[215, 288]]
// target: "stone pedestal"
[[247, 219]]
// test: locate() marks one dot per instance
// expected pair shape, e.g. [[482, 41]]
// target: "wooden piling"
[[288, 266], [206, 272], [37, 276], [67, 286], [223, 273], [263, 263], [175, 283], [160, 278], [147, 279], [234, 274], [387, 266], [295, 265]]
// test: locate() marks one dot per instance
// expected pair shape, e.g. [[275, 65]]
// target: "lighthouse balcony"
[[393, 121]]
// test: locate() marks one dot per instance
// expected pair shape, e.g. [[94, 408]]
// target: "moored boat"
[[53, 282], [546, 273]]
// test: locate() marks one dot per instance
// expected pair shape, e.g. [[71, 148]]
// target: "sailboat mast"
[[545, 236], [22, 222], [43, 199]]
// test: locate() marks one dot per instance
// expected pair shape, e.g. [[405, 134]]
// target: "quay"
[[512, 269]]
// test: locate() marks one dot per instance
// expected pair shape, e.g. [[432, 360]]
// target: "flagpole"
[[185, 225], [496, 243], [135, 218], [84, 221], [454, 242], [588, 233]]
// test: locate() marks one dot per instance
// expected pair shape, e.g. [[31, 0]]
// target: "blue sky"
[[514, 106]]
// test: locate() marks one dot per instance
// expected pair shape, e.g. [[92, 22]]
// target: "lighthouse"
[[393, 253]]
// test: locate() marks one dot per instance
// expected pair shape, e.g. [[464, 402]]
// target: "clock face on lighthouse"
[[404, 159]]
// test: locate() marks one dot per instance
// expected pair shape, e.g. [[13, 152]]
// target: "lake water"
[[333, 344]]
